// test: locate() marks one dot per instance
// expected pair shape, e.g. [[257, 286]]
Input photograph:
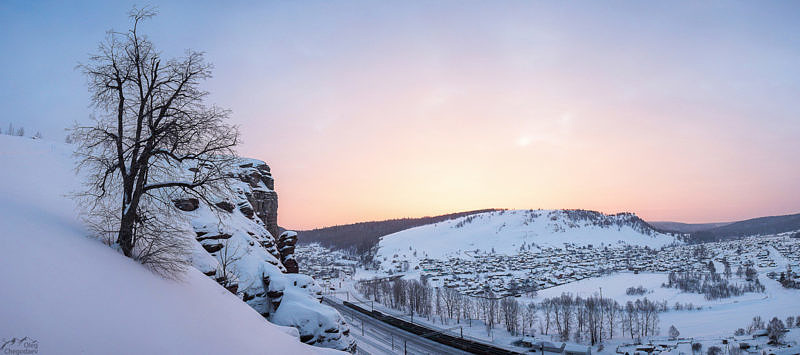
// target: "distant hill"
[[755, 226], [362, 236], [686, 227], [509, 232]]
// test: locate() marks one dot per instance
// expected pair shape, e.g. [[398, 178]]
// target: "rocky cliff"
[[239, 247], [264, 202], [262, 196], [286, 244]]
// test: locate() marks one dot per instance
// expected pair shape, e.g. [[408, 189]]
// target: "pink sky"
[[680, 111], [415, 117]]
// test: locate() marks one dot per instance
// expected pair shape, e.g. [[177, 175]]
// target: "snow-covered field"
[[717, 318], [614, 286], [73, 295]]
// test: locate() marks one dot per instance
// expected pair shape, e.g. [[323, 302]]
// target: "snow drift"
[[71, 294]]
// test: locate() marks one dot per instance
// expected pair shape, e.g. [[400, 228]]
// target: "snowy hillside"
[[234, 247], [72, 294], [506, 232]]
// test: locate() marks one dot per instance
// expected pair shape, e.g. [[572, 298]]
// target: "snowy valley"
[[502, 277]]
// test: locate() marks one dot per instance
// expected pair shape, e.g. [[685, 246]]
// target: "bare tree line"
[[775, 328], [567, 317], [713, 285], [360, 238], [18, 131]]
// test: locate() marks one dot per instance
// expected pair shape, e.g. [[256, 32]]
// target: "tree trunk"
[[125, 238]]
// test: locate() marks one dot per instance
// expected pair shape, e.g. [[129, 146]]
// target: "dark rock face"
[[231, 286], [286, 245], [225, 206], [246, 210], [204, 236], [187, 204], [265, 204], [212, 248], [264, 201], [274, 292]]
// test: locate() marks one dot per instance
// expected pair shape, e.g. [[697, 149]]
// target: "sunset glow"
[[367, 111]]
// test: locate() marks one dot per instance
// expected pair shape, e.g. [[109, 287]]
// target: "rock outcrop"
[[262, 196], [286, 244], [237, 247], [187, 204]]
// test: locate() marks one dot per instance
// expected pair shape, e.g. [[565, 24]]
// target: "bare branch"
[[152, 137]]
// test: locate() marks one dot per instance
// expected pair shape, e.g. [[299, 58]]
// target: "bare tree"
[[757, 324], [611, 309], [438, 305], [450, 296], [776, 330], [529, 317], [468, 307], [227, 274], [458, 303], [152, 140], [488, 307], [510, 310], [564, 314]]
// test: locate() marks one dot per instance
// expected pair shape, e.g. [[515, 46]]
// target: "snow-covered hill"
[[72, 294], [506, 232]]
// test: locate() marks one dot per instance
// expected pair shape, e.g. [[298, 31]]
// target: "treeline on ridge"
[[361, 237]]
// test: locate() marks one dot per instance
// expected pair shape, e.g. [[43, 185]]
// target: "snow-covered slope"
[[505, 232], [238, 251], [73, 295], [233, 244]]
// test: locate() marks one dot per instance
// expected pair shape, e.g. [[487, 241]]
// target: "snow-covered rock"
[[286, 244], [71, 294], [246, 258]]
